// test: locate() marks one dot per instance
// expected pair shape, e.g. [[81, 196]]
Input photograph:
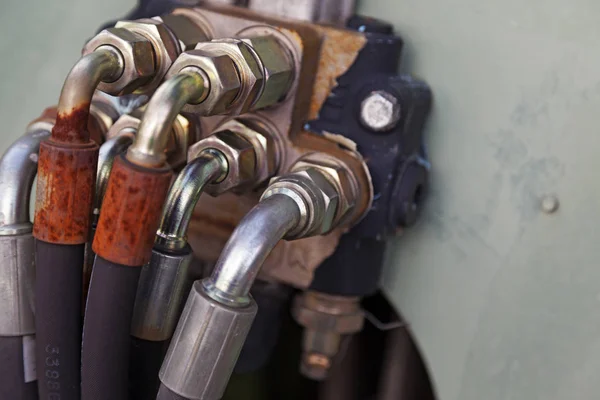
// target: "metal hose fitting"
[[188, 86], [220, 309], [18, 167]]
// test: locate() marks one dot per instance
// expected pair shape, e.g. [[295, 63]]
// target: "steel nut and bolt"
[[241, 160], [248, 65], [316, 197], [380, 111], [165, 45], [267, 145], [339, 175], [138, 57], [221, 75], [326, 318]]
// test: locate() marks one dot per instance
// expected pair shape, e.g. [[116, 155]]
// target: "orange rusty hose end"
[[65, 191], [131, 212]]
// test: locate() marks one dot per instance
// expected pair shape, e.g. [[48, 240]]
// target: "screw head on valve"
[[380, 111]]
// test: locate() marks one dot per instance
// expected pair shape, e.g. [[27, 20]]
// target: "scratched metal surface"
[[503, 298]]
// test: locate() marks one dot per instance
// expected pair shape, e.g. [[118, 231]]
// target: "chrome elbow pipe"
[[18, 168], [148, 149], [249, 245]]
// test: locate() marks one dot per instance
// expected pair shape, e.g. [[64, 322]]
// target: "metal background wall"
[[502, 297]]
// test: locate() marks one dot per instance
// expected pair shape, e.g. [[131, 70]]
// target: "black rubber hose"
[[146, 360], [106, 331], [15, 382], [58, 320], [164, 393]]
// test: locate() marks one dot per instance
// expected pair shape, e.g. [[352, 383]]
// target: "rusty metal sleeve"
[[130, 213], [105, 64], [248, 247], [106, 159], [210, 166], [148, 149]]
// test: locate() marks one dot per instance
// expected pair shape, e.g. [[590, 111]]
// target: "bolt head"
[[380, 111]]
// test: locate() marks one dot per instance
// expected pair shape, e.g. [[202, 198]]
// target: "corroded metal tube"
[[105, 64]]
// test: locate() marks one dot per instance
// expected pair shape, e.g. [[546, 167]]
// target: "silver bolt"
[[380, 111], [550, 204]]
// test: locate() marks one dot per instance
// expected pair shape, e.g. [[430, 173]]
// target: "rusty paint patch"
[[338, 52], [131, 213], [65, 190], [72, 126]]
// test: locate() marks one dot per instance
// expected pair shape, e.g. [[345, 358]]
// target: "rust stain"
[[65, 190], [72, 126], [338, 52], [130, 213]]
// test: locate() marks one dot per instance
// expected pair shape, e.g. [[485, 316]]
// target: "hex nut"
[[266, 144], [380, 111], [339, 175], [324, 319], [138, 57], [278, 65], [164, 43], [187, 32], [248, 66], [319, 196], [223, 79], [241, 160]]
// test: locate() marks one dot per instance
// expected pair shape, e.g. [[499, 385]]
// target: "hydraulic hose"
[[18, 167], [106, 158], [18, 376], [121, 281], [66, 176], [124, 238], [219, 309]]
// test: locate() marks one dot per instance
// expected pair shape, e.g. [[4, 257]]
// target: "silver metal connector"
[[160, 291], [205, 346], [18, 168]]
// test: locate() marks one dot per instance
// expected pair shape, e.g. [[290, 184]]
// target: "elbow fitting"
[[148, 149], [245, 74]]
